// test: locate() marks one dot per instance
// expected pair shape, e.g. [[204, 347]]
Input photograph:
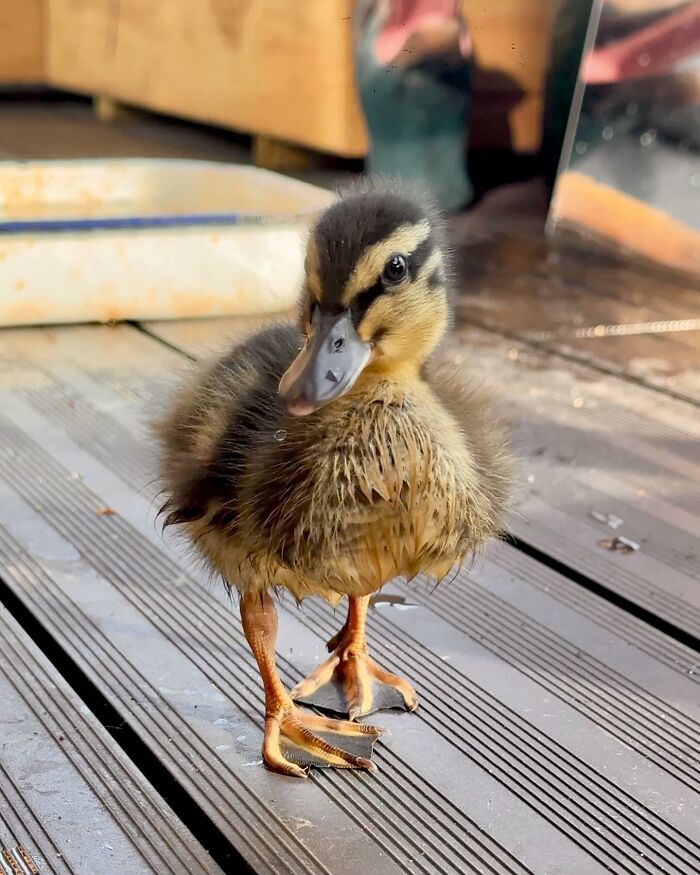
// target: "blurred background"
[[467, 96], [541, 128]]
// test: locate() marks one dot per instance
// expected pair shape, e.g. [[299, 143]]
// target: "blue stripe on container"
[[23, 226]]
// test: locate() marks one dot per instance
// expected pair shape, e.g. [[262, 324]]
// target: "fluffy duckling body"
[[330, 457]]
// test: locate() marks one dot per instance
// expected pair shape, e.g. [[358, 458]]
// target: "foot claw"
[[369, 765]]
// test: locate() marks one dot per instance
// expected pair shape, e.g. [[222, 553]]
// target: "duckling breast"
[[376, 486]]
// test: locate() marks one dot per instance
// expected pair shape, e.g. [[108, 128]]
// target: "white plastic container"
[[103, 240]]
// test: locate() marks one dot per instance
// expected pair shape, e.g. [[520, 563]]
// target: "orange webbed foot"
[[296, 740], [350, 682]]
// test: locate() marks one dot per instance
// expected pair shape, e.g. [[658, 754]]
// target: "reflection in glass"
[[630, 171]]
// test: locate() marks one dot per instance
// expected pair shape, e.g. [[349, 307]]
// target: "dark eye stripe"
[[363, 301], [420, 255]]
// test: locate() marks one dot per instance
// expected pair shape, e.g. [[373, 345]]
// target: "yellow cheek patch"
[[377, 317], [371, 263]]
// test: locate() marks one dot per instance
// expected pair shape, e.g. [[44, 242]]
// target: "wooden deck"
[[559, 679], [559, 726]]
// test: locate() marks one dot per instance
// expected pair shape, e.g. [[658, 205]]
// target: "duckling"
[[330, 457]]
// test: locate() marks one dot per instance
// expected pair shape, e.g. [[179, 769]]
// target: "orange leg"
[[366, 686], [293, 737]]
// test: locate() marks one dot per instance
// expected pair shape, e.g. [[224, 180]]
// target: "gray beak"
[[328, 365]]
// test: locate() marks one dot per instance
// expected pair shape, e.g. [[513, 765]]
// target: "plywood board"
[[262, 66], [22, 41]]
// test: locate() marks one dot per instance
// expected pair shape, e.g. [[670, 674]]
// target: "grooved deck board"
[[588, 443], [60, 770], [556, 732]]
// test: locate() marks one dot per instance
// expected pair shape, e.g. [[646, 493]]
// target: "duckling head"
[[374, 300]]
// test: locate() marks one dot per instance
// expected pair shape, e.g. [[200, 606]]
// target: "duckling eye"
[[395, 269]]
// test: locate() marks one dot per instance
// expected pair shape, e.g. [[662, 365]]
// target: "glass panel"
[[630, 169]]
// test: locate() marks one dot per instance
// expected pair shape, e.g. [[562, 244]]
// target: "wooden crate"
[[22, 41], [270, 67]]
